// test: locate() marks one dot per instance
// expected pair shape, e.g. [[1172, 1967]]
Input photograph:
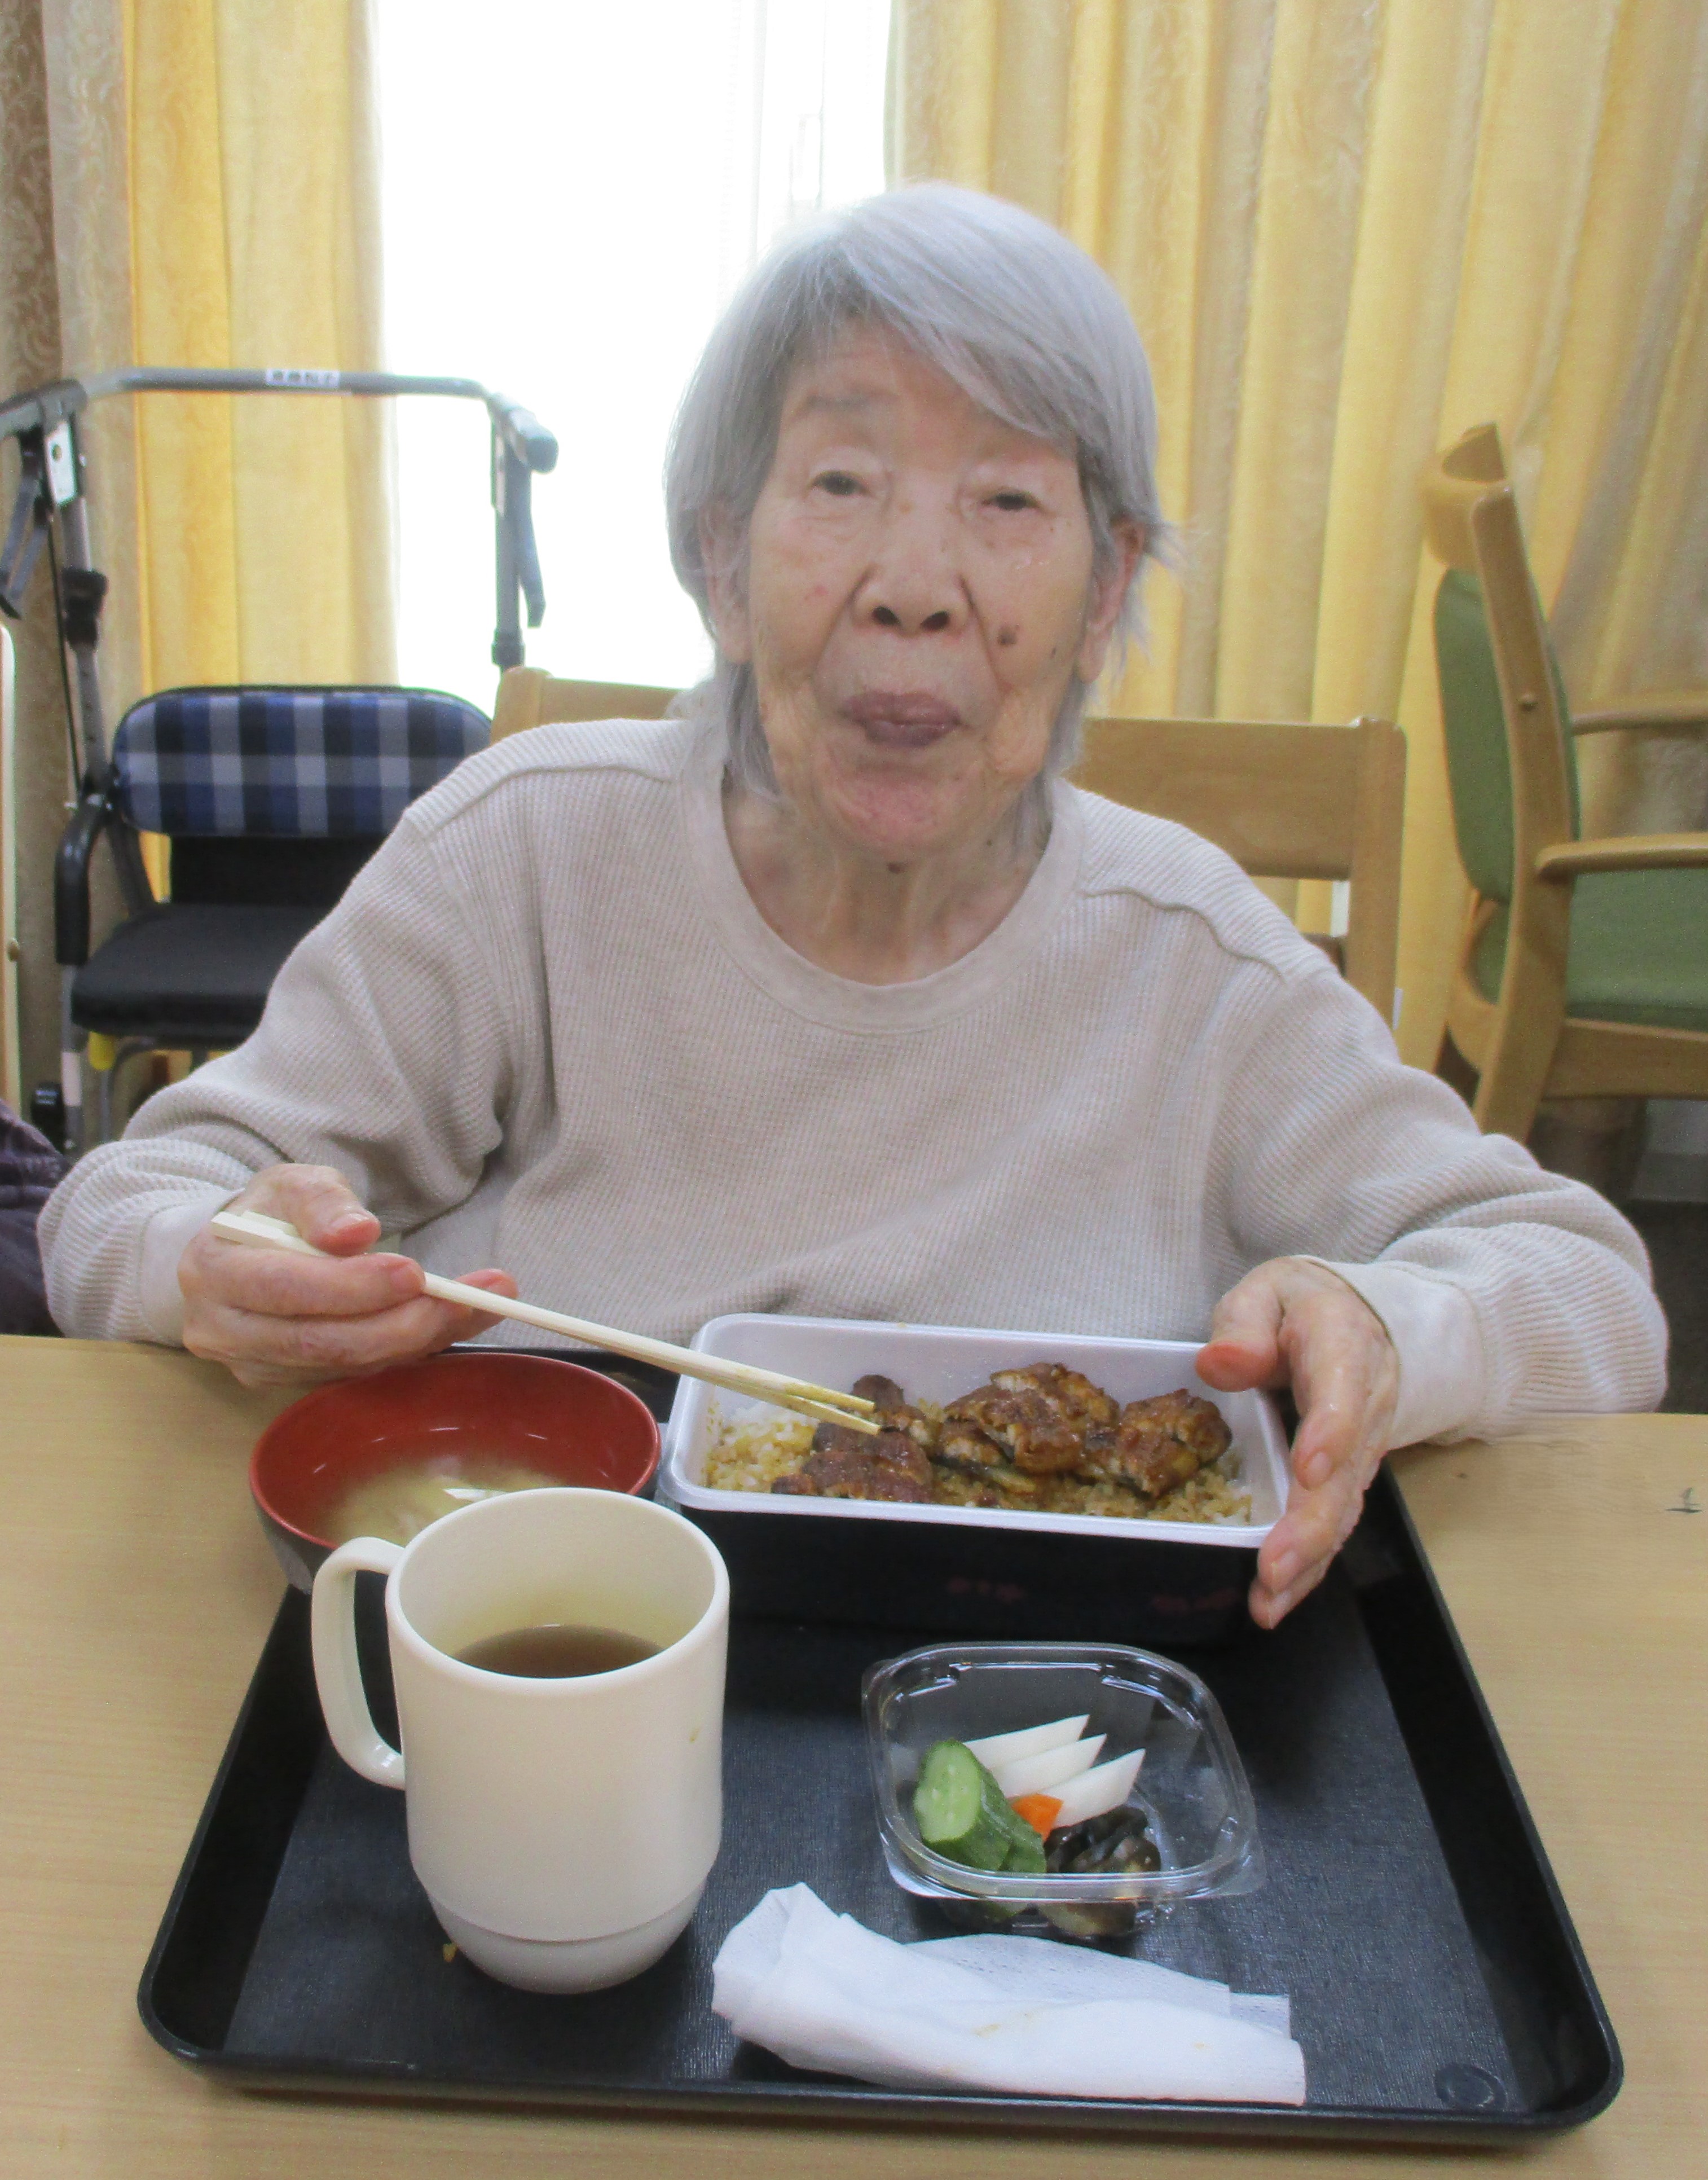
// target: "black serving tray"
[[1438, 1989]]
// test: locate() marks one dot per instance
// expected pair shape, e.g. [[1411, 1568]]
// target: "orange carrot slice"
[[1040, 1811]]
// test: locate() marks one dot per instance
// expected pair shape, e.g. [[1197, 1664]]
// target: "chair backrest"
[[280, 795], [528, 697], [1511, 770], [1284, 802], [285, 762]]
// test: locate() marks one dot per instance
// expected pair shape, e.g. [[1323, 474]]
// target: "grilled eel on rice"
[[844, 1464], [1003, 1444]]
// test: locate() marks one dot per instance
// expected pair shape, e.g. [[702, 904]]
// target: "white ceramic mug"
[[563, 1829]]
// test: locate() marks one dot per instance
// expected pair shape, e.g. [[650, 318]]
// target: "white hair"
[[1019, 317]]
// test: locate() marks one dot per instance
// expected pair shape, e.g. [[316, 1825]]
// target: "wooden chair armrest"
[[1630, 852], [1662, 707]]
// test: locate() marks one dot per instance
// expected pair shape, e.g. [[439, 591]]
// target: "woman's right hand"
[[276, 1319]]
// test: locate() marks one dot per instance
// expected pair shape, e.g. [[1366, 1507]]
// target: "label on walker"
[[322, 382], [62, 463]]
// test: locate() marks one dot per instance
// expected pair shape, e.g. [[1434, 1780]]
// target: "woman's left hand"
[[1291, 1323]]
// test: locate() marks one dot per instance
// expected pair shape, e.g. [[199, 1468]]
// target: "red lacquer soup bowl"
[[533, 1412]]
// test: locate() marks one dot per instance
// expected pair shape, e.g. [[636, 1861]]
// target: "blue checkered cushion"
[[289, 763]]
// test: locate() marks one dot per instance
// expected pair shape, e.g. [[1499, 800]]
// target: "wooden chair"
[[1584, 971], [1284, 802], [527, 698]]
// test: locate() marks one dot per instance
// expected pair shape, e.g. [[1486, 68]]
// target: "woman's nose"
[[895, 617], [914, 585]]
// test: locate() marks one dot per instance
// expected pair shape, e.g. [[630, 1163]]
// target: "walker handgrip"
[[526, 437]]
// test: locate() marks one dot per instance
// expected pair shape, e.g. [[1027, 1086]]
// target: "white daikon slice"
[[997, 1749], [1043, 1774], [1093, 1792]]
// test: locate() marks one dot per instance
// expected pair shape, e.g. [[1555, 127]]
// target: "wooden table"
[[137, 1593]]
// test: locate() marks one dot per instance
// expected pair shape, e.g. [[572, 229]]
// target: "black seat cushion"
[[187, 973]]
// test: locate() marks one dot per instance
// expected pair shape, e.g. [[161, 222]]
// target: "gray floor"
[[1676, 1234]]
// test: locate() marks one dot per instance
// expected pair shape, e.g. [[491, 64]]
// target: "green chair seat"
[[1639, 949]]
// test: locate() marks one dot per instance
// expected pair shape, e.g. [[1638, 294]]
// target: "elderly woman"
[[832, 996]]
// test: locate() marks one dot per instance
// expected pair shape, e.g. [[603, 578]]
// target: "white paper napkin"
[[1022, 2015]]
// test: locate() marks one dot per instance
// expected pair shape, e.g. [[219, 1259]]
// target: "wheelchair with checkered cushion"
[[272, 800]]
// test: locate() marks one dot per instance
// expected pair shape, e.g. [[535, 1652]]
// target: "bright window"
[[571, 194]]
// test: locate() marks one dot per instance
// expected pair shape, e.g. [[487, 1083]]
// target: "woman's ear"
[[1108, 595], [721, 555]]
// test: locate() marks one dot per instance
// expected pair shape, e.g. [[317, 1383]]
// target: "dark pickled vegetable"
[[1092, 1919], [1118, 1844]]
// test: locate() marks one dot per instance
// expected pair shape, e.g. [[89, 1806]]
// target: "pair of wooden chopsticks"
[[256, 1231]]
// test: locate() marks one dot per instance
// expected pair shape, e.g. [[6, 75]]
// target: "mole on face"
[[1006, 636]]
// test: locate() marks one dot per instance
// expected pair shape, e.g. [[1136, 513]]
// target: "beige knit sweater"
[[548, 1029]]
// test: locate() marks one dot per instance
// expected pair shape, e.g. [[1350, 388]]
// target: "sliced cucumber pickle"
[[963, 1814], [1026, 1857]]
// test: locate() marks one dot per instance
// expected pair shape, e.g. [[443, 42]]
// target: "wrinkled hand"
[[274, 1319], [1290, 1322]]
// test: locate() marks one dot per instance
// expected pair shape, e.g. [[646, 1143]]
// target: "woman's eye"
[[838, 483], [1011, 503]]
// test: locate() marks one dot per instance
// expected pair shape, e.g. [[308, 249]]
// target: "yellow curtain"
[[1347, 229], [265, 519], [194, 182]]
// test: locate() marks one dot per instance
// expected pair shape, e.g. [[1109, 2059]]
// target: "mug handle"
[[337, 1671]]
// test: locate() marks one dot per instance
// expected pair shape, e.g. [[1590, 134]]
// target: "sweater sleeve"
[[1509, 1292], [382, 1052]]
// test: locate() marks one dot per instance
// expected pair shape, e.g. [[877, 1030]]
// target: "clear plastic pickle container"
[[1187, 1831]]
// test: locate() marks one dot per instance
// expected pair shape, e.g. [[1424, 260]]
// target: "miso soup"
[[399, 1504]]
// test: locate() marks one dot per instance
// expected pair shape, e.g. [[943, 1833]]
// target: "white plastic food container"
[[970, 1570]]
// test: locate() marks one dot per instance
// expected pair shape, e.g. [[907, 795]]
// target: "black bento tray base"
[[1438, 1990]]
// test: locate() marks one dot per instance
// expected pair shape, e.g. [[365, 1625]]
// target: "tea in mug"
[[557, 1651]]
